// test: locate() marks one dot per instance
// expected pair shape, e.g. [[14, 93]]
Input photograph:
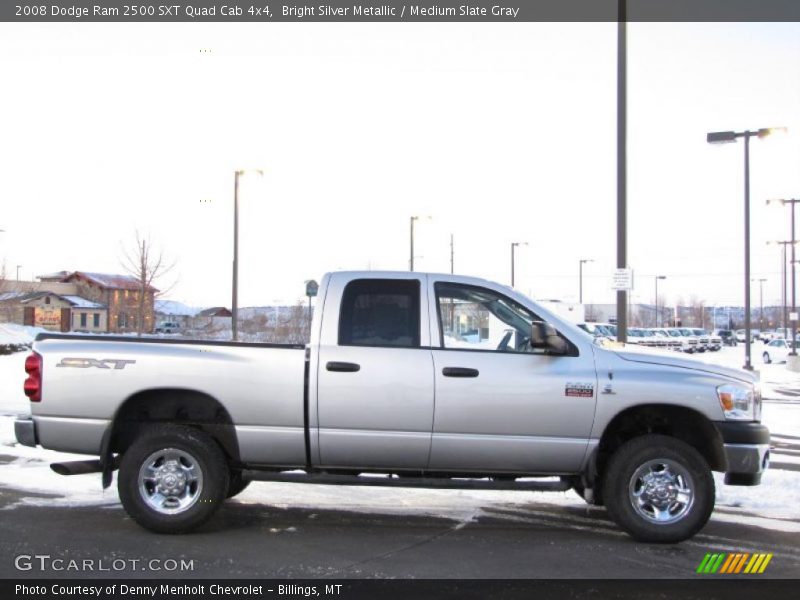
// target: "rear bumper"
[[746, 451], [25, 432]]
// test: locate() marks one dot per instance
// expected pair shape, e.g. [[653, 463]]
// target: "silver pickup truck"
[[431, 380]]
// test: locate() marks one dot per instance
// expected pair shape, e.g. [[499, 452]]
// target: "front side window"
[[96, 319], [380, 312], [83, 319], [476, 318]]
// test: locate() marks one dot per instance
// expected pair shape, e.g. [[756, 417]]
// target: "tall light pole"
[[784, 294], [452, 263], [235, 283], [18, 268], [657, 277], [411, 257], [792, 202], [580, 277], [726, 137], [513, 248], [623, 306]]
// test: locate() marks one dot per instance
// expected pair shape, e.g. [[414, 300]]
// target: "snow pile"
[[11, 333]]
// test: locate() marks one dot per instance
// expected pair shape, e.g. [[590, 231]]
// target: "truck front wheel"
[[172, 478], [658, 489]]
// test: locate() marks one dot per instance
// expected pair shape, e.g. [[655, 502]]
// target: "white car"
[[777, 350]]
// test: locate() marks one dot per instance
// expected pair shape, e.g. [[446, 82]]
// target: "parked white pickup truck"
[[434, 380]]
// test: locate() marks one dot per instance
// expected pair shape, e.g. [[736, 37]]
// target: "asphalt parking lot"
[[247, 540]]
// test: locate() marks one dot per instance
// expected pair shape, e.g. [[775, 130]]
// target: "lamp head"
[[721, 137]]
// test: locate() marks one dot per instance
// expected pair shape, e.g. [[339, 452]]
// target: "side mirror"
[[545, 336]]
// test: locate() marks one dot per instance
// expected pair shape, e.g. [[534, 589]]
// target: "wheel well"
[[679, 422], [182, 406]]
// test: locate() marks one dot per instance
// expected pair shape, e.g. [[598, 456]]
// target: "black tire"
[[236, 483], [621, 481], [766, 357], [196, 453]]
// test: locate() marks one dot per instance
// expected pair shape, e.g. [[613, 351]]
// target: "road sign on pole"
[[623, 279]]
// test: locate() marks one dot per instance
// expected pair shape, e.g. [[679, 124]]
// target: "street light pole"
[[513, 247], [657, 277], [725, 137], [792, 202], [235, 283], [411, 257], [580, 277]]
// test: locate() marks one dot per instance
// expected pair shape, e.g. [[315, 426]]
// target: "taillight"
[[33, 384]]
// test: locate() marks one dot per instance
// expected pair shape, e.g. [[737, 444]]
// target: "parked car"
[[727, 336], [700, 335], [168, 327], [687, 343], [662, 339], [767, 336], [740, 335], [534, 405], [776, 351]]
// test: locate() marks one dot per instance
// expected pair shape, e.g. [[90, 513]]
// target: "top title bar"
[[332, 11]]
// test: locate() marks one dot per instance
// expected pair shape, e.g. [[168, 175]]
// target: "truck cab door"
[[501, 405], [375, 375]]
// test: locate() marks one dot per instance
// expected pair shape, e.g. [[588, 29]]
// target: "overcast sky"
[[500, 132]]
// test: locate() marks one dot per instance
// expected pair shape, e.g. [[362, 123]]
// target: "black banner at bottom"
[[351, 589]]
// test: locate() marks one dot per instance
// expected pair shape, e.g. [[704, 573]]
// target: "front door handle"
[[343, 367], [459, 372]]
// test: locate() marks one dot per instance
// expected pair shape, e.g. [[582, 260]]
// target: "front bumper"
[[746, 451], [25, 432]]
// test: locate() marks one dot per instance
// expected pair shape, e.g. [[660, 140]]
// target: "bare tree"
[[696, 308], [147, 265]]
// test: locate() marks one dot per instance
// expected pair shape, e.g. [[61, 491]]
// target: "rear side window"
[[380, 312]]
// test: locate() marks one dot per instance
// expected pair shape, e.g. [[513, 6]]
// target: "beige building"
[[52, 311]]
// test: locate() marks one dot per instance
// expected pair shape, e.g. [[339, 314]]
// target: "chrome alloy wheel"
[[661, 491], [170, 481]]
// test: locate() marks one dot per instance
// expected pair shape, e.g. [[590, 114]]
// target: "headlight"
[[740, 402]]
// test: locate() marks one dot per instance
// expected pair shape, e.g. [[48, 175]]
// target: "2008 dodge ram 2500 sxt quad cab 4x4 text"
[[435, 380]]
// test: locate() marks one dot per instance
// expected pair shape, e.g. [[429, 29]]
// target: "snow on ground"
[[771, 505]]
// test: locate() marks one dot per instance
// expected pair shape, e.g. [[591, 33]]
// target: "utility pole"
[[451, 254]]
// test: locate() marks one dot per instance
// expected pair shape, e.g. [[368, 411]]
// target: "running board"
[[521, 484], [77, 467]]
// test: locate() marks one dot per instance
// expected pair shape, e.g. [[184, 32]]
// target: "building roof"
[[215, 311], [57, 276], [79, 302], [108, 281], [6, 296], [74, 301]]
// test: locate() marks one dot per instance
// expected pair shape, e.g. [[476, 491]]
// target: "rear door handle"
[[343, 367], [459, 372]]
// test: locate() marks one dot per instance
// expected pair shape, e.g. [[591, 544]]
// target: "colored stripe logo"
[[733, 563]]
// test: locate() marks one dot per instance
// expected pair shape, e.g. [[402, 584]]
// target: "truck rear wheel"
[[172, 478], [658, 489]]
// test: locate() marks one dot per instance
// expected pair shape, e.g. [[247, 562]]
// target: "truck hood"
[[660, 357]]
